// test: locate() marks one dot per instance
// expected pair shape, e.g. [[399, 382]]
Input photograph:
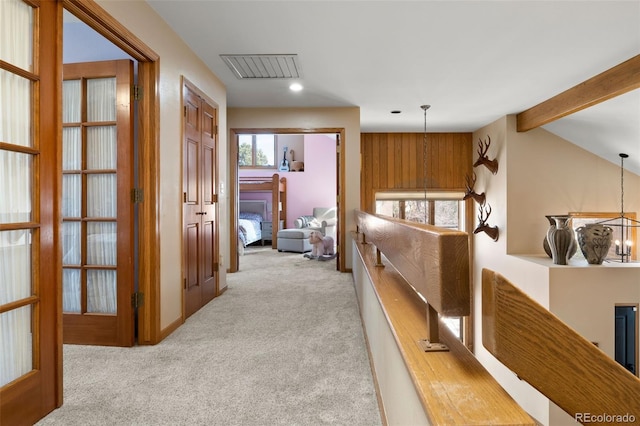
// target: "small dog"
[[322, 247]]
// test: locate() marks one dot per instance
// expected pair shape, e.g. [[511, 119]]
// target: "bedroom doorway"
[[337, 152]]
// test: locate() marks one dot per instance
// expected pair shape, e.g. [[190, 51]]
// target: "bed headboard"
[[254, 206]]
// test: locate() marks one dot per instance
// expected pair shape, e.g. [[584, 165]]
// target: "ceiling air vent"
[[263, 66]]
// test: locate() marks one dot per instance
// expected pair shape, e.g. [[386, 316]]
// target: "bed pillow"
[[250, 216]]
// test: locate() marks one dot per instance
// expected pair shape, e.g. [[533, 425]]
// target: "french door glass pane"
[[71, 290], [16, 34], [101, 99], [15, 187], [15, 265], [101, 291], [72, 101], [16, 340], [71, 247], [71, 148], [72, 195], [15, 104], [101, 195], [101, 243], [101, 148]]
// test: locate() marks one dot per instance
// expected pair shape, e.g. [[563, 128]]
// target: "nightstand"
[[267, 230]]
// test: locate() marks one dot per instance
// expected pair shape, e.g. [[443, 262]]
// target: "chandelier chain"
[[424, 163], [622, 185]]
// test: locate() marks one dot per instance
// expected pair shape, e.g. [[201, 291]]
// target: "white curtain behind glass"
[[101, 193], [15, 191]]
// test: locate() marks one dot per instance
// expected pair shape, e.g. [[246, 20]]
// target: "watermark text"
[[604, 418]]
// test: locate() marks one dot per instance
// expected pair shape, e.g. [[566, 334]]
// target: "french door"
[[30, 368], [97, 209]]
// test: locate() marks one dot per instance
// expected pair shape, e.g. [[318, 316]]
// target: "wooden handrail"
[[435, 261], [452, 386], [551, 356]]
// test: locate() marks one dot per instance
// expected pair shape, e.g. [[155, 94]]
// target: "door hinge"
[[184, 197], [215, 129], [137, 299], [185, 283], [214, 198], [216, 266], [137, 195], [137, 92]]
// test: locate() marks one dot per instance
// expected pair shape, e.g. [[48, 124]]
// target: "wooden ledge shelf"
[[452, 387]]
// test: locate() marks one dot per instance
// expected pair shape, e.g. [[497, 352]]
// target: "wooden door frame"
[[234, 188], [98, 19]]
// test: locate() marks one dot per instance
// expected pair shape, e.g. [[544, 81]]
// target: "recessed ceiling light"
[[396, 111], [296, 87]]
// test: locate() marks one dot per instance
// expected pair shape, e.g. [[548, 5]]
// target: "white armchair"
[[324, 219]]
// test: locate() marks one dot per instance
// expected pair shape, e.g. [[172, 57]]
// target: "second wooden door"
[[200, 240]]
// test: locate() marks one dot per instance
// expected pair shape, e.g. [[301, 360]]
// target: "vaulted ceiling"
[[472, 61]]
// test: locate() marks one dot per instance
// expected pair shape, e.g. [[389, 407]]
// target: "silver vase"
[[561, 240], [594, 240], [545, 241]]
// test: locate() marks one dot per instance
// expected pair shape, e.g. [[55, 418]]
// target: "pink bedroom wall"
[[315, 187]]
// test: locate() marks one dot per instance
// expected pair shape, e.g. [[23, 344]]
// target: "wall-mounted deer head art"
[[470, 192], [483, 147], [491, 231]]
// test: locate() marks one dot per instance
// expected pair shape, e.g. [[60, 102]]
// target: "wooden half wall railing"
[[435, 261], [426, 263], [553, 358]]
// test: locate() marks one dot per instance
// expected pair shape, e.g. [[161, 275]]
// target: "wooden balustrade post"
[[432, 342], [379, 258]]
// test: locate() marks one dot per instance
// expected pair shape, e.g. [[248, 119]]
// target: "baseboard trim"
[[165, 332]]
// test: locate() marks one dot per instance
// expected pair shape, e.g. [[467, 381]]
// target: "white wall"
[[176, 60], [315, 118], [540, 174], [400, 400]]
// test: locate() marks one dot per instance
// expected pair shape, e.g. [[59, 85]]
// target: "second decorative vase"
[[561, 240], [594, 240]]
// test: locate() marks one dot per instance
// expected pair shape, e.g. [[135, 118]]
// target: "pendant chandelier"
[[627, 226]]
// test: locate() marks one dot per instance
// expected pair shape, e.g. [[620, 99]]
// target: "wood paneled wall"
[[395, 161]]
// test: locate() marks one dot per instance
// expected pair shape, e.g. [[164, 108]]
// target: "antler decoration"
[[470, 192], [483, 147], [491, 231]]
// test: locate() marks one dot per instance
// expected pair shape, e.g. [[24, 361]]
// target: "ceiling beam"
[[613, 82]]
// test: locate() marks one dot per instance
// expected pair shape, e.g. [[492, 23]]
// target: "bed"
[[250, 217], [275, 185]]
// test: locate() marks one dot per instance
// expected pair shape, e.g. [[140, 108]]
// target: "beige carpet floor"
[[282, 346]]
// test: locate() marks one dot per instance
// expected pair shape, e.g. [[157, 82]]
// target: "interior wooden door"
[[200, 241], [97, 206], [30, 349]]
